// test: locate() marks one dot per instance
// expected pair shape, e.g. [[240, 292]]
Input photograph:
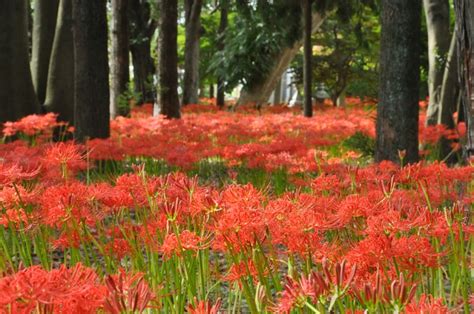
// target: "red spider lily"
[[239, 222], [186, 240], [377, 251], [297, 292], [64, 159], [238, 138], [432, 134], [427, 304], [204, 307], [461, 129], [241, 271], [13, 173], [112, 198], [62, 203], [298, 221], [17, 196], [400, 293], [67, 239], [126, 293], [341, 279], [315, 285], [119, 248], [386, 219], [31, 125], [63, 290], [369, 294], [14, 217]]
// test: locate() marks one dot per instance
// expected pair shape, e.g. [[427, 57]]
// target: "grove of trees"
[[90, 61]]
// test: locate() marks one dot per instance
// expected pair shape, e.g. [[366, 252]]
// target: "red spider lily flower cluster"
[[32, 125], [127, 293], [74, 290], [204, 307], [315, 286], [368, 236]]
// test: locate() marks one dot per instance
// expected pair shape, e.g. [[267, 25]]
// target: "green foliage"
[[360, 142], [253, 39], [211, 171], [124, 99], [208, 45], [346, 57]]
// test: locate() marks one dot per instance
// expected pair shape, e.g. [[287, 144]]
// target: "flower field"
[[250, 212]]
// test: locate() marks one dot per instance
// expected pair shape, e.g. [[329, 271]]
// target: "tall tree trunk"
[[437, 24], [168, 59], [192, 10], [449, 96], [341, 99], [142, 27], [211, 90], [60, 90], [397, 111], [465, 27], [44, 25], [308, 56], [224, 21], [30, 29], [91, 75], [277, 94], [16, 86], [260, 93], [119, 63]]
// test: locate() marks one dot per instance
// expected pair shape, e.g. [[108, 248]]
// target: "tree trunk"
[[119, 63], [211, 91], [341, 99], [16, 86], [168, 63], [437, 24], [397, 111], [277, 93], [308, 56], [142, 27], [465, 37], [44, 25], [449, 96], [60, 90], [30, 30], [192, 10], [91, 79], [224, 21], [260, 94]]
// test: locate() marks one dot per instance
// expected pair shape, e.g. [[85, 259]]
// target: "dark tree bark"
[[397, 111], [44, 25], [91, 79], [437, 24], [211, 90], [168, 63], [142, 27], [30, 30], [16, 86], [465, 37], [448, 101], [119, 65], [192, 10], [277, 94], [308, 55], [224, 21], [60, 90]]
